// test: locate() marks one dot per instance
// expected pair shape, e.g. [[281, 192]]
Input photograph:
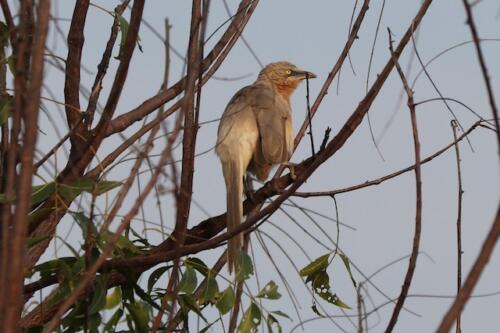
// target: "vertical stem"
[[418, 204], [29, 115], [459, 220], [188, 145], [484, 69], [309, 116]]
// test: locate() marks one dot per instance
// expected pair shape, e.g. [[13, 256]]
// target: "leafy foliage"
[[316, 273]]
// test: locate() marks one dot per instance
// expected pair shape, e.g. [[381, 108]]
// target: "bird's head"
[[284, 76]]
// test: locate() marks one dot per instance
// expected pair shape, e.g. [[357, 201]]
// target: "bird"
[[255, 133]]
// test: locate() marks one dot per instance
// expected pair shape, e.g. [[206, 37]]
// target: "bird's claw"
[[291, 167], [248, 189]]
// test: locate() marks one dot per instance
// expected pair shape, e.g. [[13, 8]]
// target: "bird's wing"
[[272, 117], [237, 118]]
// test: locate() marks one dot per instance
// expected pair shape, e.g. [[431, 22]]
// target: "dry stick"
[[9, 21], [309, 117], [434, 85], [380, 180], [188, 147], [72, 73], [183, 193], [15, 275], [102, 68], [233, 319], [474, 274], [418, 183], [22, 56], [484, 69], [459, 220], [360, 301], [370, 127], [4, 148]]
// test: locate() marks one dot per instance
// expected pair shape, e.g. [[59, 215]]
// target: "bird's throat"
[[286, 90]]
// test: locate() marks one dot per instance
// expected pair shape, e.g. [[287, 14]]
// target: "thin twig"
[[392, 175], [19, 231], [473, 276], [309, 117], [418, 183], [484, 69], [459, 220]]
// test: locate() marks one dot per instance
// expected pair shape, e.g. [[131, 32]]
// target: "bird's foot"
[[291, 167], [248, 189]]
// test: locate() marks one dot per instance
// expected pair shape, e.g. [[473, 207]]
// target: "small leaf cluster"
[[316, 274]]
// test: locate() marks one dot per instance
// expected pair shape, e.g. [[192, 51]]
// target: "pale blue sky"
[[311, 35]]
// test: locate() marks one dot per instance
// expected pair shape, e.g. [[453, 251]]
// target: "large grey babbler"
[[255, 133]]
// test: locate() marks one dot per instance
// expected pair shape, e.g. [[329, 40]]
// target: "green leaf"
[[113, 321], [113, 299], [244, 266], [197, 264], [5, 104], [155, 276], [140, 316], [188, 281], [226, 301], [83, 221], [123, 245], [39, 193], [11, 65], [210, 290], [321, 285], [145, 296], [281, 313], [251, 319], [35, 240], [52, 267], [345, 260], [123, 24], [270, 291], [99, 298], [316, 311], [70, 191], [187, 301], [68, 277], [271, 320], [104, 186], [338, 302], [315, 266], [37, 214]]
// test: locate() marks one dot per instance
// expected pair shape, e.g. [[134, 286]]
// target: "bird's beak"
[[301, 74]]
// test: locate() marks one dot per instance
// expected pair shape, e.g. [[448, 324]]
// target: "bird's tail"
[[233, 173]]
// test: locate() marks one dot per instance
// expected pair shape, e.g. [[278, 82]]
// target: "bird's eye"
[[288, 72]]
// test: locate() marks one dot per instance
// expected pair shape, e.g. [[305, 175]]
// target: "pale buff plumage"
[[255, 133]]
